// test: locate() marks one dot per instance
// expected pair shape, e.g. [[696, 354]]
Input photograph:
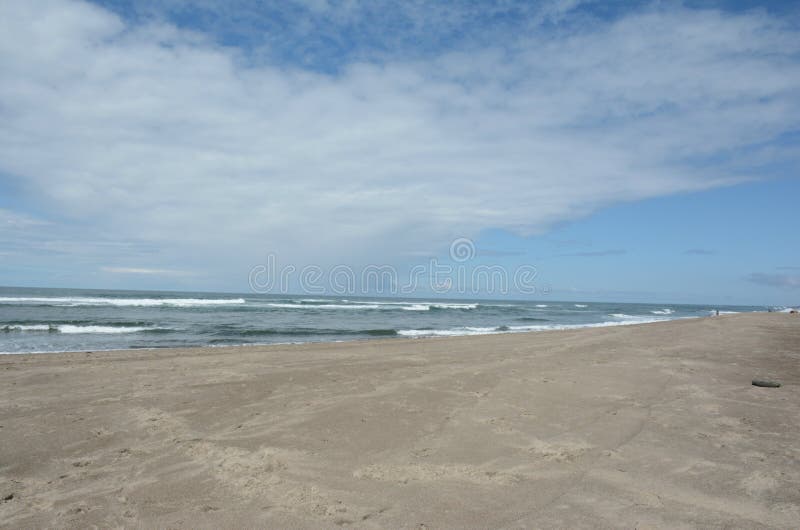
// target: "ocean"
[[53, 320]]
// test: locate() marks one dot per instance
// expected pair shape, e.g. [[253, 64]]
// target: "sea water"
[[51, 320]]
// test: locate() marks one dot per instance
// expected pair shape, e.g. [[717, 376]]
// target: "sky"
[[625, 151]]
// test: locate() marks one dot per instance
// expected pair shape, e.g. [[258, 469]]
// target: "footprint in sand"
[[559, 451], [424, 472]]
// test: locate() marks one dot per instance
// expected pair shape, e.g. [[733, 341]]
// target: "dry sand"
[[653, 425]]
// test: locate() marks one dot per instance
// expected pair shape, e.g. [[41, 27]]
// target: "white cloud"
[[158, 136], [153, 272], [785, 281], [10, 220], [597, 253]]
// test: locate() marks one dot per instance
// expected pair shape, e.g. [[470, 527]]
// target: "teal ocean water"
[[50, 320]]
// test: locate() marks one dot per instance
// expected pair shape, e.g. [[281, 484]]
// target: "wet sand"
[[653, 425]]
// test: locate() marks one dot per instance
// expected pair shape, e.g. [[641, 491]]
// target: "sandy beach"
[[653, 425]]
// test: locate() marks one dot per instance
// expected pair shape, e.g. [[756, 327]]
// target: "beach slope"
[[653, 425]]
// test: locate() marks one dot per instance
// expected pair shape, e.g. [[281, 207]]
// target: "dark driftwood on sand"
[[767, 384]]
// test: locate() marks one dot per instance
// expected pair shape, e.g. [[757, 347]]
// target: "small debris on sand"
[[765, 383]]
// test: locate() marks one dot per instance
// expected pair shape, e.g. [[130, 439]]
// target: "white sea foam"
[[73, 329], [541, 305], [70, 329], [424, 306], [455, 332], [324, 306], [122, 302], [431, 305], [665, 311], [417, 307], [638, 319], [386, 306], [23, 327], [581, 305]]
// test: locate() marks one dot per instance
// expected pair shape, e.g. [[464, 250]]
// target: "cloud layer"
[[191, 155], [783, 281]]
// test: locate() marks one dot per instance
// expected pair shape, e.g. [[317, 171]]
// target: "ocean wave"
[[384, 306], [581, 305], [26, 327], [541, 305], [379, 332], [121, 302], [606, 324], [323, 306], [431, 305], [455, 332], [665, 311], [637, 318], [423, 306], [462, 331], [76, 329], [100, 329]]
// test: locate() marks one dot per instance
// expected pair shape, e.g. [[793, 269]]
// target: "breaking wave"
[[120, 302], [76, 329]]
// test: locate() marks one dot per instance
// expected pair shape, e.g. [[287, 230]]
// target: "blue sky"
[[642, 151], [695, 248]]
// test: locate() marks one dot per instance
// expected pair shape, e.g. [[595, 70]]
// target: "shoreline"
[[648, 425], [564, 327]]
